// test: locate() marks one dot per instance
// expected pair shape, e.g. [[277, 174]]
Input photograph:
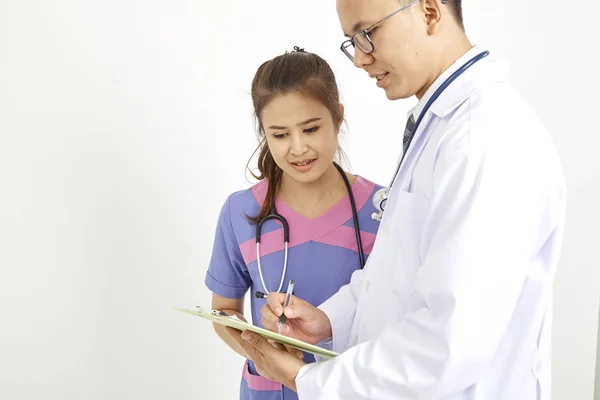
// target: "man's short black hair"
[[456, 8]]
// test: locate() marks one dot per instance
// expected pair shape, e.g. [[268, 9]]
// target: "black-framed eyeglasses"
[[361, 38]]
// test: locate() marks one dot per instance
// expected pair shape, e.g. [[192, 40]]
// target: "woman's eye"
[[312, 130], [279, 135]]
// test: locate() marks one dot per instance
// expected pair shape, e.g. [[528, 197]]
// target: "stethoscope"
[[286, 235], [381, 196]]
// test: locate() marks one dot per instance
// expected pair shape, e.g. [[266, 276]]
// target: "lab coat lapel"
[[485, 72]]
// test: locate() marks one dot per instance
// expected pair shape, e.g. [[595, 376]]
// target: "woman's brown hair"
[[293, 72]]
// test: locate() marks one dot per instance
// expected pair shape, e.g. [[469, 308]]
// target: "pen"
[[288, 296]]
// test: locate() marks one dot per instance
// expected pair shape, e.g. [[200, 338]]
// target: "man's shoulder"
[[497, 113], [497, 123]]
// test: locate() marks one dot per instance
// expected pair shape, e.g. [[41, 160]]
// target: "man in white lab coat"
[[455, 300]]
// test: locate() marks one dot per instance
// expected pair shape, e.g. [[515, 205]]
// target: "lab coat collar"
[[465, 85]]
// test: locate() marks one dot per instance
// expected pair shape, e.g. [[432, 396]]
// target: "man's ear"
[[432, 10]]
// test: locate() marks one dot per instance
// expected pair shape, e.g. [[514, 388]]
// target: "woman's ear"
[[339, 123]]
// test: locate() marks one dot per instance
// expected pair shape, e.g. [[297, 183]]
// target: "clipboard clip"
[[213, 312], [219, 313]]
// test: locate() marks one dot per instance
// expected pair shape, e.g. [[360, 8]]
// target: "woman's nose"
[[299, 146]]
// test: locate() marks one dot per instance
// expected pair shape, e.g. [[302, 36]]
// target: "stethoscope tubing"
[[385, 191], [286, 235]]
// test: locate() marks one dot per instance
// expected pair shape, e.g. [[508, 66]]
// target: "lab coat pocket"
[[410, 216]]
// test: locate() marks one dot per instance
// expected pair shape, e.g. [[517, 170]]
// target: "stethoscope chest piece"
[[379, 199], [381, 196]]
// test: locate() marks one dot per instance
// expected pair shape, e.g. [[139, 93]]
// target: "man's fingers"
[[257, 342], [248, 339], [264, 346], [268, 314], [277, 345], [234, 333], [252, 351], [297, 308], [300, 310], [268, 325], [275, 300], [252, 339], [240, 316], [280, 346], [294, 351]]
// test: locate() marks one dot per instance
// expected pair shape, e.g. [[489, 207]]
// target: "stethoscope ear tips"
[[259, 295]]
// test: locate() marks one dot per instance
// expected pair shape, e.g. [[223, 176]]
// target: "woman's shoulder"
[[244, 202], [366, 185], [365, 190]]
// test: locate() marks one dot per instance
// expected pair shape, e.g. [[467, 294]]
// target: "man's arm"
[[491, 211], [340, 309]]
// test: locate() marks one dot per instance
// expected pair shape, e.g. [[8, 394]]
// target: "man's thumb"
[[299, 310], [251, 338]]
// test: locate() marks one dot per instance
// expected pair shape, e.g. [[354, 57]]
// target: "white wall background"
[[117, 120]]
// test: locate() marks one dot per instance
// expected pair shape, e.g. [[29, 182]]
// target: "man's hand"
[[304, 322], [272, 360]]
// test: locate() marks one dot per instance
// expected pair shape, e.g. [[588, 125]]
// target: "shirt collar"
[[448, 99]]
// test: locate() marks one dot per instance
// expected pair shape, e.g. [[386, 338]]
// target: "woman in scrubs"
[[296, 104]]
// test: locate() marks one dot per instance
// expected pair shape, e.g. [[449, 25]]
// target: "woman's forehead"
[[292, 108]]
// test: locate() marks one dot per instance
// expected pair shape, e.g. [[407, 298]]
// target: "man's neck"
[[453, 48]]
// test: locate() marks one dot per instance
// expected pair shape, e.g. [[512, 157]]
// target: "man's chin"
[[395, 94]]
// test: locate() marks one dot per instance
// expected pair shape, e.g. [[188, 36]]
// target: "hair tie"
[[296, 48]]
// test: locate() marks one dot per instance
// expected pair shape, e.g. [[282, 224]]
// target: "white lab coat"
[[454, 302]]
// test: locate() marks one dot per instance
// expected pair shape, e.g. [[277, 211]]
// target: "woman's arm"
[[230, 307]]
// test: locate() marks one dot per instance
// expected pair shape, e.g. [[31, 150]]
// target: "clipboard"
[[234, 322]]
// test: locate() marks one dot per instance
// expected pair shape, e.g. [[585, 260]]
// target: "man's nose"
[[361, 59]]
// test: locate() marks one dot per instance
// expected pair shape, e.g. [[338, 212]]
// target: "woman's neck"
[[314, 198]]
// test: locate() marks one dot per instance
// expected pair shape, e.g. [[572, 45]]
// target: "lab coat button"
[[537, 368], [368, 286]]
